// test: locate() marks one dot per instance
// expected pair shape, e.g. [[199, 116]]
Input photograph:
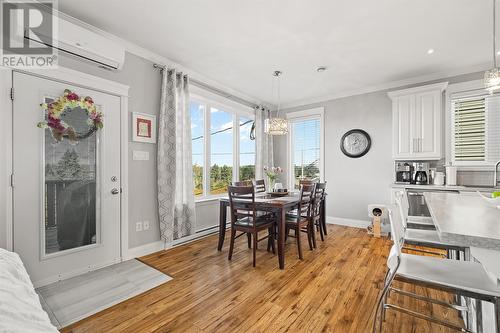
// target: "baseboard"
[[191, 238], [145, 249], [347, 222], [153, 247]]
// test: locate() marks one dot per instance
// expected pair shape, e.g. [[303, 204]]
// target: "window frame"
[[236, 111], [297, 116], [464, 90]]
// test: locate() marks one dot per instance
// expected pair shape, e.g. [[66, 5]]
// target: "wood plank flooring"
[[334, 289]]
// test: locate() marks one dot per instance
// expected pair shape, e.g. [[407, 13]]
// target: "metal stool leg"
[[479, 316]]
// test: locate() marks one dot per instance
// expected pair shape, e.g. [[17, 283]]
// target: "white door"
[[66, 218]]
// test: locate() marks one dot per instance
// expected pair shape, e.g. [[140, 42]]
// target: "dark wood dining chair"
[[243, 183], [260, 186], [243, 213], [300, 220], [316, 210], [242, 198], [306, 181]]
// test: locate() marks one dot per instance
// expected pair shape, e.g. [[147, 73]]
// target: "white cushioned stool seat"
[[425, 236], [464, 275], [420, 219]]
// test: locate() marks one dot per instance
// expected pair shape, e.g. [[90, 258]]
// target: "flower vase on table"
[[272, 174]]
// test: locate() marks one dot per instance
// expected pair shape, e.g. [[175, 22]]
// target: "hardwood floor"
[[334, 289]]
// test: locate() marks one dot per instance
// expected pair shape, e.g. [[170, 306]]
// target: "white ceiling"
[[364, 43]]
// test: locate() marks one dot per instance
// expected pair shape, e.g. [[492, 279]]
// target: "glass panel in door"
[[71, 202]]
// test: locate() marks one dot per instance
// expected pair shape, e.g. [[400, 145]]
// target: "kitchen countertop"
[[489, 259], [465, 219], [459, 188]]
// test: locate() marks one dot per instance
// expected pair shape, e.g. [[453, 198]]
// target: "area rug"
[[71, 300]]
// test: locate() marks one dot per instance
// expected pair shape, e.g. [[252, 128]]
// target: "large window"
[[221, 148], [247, 150], [475, 122], [306, 146], [221, 141], [198, 139]]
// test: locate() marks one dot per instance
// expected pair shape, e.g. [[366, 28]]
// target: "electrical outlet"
[[145, 225], [138, 226]]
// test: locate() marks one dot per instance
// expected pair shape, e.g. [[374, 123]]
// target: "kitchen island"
[[465, 219]]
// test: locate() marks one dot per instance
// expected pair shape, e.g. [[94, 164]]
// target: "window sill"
[[209, 199]]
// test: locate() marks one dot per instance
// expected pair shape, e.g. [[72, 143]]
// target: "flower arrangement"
[[272, 174], [67, 102]]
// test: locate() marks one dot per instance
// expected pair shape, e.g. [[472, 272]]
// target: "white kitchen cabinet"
[[417, 122]]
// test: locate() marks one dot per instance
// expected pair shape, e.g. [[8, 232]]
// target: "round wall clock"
[[355, 143]]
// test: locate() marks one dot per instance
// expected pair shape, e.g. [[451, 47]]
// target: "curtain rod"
[[214, 90]]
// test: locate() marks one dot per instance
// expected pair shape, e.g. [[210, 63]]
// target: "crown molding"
[[388, 85], [415, 90], [157, 58]]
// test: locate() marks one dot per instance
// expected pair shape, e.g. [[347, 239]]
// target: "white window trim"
[[209, 102], [315, 113], [462, 90]]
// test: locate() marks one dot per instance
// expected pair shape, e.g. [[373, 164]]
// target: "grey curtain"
[[264, 143], [174, 161]]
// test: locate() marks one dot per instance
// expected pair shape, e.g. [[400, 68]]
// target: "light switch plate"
[[138, 226], [140, 155]]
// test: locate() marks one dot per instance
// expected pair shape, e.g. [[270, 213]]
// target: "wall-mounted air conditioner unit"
[[85, 44]]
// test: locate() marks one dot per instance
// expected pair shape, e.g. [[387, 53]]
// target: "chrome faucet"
[[495, 176]]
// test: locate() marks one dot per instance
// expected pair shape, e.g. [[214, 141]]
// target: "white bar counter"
[[465, 219]]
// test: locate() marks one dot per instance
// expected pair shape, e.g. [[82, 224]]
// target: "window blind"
[[469, 129], [306, 149]]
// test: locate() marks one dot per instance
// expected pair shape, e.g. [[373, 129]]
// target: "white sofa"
[[20, 308]]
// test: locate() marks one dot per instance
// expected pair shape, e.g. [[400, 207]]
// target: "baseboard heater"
[[197, 235]]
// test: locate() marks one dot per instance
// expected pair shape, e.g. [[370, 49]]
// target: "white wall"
[[355, 183]]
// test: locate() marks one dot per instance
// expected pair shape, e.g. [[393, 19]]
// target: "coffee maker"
[[404, 172], [421, 173]]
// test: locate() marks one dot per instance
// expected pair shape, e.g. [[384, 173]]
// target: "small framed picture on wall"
[[143, 127]]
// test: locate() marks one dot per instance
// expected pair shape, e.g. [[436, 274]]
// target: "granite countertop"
[[459, 188], [465, 219]]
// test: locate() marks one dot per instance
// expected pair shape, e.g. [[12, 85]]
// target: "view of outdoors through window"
[[197, 132], [306, 150], [221, 149], [247, 150]]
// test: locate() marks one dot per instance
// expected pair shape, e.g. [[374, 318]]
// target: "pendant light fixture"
[[492, 77], [277, 125]]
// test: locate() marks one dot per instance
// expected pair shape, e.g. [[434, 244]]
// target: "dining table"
[[279, 205]]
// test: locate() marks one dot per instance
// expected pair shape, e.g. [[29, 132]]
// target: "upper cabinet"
[[417, 122]]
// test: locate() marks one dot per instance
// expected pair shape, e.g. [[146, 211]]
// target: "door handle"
[[115, 191]]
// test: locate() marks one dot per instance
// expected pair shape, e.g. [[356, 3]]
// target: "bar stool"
[[465, 278], [416, 222], [424, 237]]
